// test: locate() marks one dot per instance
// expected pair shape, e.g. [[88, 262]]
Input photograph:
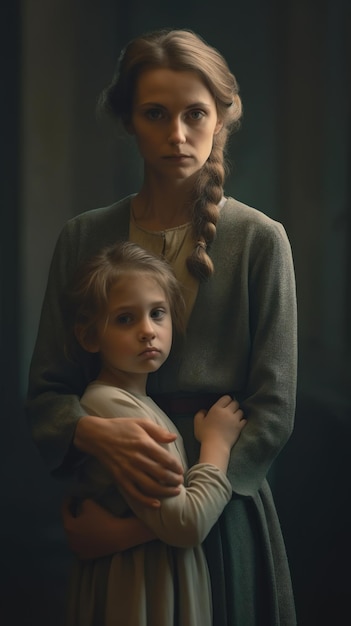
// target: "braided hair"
[[183, 50]]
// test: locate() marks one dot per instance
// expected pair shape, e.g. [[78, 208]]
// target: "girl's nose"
[[146, 330], [176, 132]]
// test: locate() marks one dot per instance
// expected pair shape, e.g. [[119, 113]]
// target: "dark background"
[[291, 159]]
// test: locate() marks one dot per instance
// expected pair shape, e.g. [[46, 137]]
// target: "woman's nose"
[[176, 132]]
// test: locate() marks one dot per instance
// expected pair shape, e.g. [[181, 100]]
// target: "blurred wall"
[[291, 159]]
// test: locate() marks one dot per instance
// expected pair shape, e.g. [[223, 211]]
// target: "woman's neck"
[[157, 207]]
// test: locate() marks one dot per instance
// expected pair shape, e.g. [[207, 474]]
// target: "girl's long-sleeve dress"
[[152, 584], [241, 339]]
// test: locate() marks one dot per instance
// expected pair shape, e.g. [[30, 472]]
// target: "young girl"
[[178, 99], [121, 307]]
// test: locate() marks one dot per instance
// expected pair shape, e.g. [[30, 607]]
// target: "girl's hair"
[[183, 50], [86, 298]]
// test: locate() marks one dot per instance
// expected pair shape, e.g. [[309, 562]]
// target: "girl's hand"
[[130, 450], [95, 533], [218, 430]]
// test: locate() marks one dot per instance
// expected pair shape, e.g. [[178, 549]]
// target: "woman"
[[176, 95]]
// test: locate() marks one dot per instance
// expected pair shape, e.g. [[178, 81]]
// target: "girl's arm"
[[181, 521], [185, 520], [95, 533]]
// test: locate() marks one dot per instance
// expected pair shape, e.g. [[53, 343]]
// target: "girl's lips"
[[151, 352]]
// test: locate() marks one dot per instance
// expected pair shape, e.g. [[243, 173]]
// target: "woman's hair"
[[183, 50], [85, 300]]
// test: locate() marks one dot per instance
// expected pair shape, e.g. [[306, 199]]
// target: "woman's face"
[[174, 120]]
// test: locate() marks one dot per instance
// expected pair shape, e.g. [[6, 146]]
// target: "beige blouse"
[[175, 245]]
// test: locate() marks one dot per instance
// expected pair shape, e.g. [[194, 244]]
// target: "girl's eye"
[[158, 314], [126, 318], [154, 114]]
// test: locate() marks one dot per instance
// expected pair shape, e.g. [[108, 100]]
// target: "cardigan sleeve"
[[55, 383], [270, 388]]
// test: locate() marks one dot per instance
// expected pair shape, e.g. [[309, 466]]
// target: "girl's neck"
[[134, 383]]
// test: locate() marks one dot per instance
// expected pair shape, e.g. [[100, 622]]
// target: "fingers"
[[136, 491], [159, 434], [228, 402], [171, 465], [147, 480], [200, 414], [147, 473]]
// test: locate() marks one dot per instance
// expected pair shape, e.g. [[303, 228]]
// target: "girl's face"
[[136, 336], [174, 120]]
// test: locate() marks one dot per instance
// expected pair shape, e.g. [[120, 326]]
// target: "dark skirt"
[[250, 577]]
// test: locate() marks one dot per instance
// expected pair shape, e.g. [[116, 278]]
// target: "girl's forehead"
[[136, 282]]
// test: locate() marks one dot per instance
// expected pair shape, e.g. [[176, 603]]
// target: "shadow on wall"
[[314, 504], [34, 557]]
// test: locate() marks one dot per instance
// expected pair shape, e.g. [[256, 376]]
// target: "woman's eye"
[[196, 115]]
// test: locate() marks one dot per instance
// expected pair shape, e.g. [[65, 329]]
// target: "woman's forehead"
[[156, 85]]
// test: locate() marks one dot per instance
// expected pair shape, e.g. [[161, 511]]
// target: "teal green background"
[[291, 159]]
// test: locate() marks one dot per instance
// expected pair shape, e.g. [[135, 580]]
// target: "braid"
[[184, 51], [208, 194]]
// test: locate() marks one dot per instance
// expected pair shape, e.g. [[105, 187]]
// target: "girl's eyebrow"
[[131, 306]]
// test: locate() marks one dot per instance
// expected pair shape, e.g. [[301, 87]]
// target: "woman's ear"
[[86, 338], [218, 127]]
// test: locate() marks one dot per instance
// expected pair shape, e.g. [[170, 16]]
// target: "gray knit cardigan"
[[241, 338]]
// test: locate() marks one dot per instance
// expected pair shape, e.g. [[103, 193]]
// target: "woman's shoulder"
[[238, 213], [237, 217], [101, 214], [86, 233]]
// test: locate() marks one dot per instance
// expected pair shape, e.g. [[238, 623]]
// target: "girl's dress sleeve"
[[185, 520]]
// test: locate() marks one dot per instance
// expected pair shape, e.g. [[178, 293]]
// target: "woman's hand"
[[95, 533], [130, 450], [218, 429]]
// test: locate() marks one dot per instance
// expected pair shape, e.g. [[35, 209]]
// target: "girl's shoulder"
[[111, 401]]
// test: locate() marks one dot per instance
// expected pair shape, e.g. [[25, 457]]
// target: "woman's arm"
[[270, 390], [94, 532], [130, 450]]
